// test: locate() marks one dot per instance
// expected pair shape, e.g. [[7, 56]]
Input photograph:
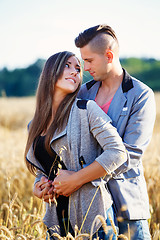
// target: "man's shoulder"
[[88, 85], [140, 86], [88, 89], [134, 84]]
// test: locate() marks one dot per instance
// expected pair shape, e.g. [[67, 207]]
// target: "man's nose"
[[86, 67]]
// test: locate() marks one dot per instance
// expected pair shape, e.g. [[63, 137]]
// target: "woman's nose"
[[74, 72]]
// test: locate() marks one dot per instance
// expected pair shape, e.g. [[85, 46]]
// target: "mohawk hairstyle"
[[85, 37]]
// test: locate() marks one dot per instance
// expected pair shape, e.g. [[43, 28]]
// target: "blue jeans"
[[139, 229], [101, 233]]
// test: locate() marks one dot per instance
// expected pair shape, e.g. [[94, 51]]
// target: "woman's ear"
[[109, 55]]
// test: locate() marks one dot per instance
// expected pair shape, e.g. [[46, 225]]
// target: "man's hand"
[[68, 182], [44, 190]]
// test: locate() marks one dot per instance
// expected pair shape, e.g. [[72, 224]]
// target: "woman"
[[71, 133]]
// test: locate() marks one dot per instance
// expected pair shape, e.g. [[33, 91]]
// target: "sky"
[[32, 29]]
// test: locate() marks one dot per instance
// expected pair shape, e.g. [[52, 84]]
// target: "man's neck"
[[109, 87]]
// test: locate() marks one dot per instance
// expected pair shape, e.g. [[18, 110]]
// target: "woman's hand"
[[44, 190], [65, 183]]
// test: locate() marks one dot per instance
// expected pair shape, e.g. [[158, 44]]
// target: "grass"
[[21, 213]]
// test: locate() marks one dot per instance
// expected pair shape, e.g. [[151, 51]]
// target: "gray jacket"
[[88, 131], [133, 112]]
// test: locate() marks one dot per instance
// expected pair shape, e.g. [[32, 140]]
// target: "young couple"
[[91, 147]]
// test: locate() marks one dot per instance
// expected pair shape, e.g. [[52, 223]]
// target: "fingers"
[[43, 180], [49, 198], [37, 190], [50, 191], [42, 187], [49, 195], [46, 185], [47, 189], [44, 190]]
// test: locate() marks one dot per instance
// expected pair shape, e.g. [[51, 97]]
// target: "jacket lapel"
[[32, 160], [92, 89], [59, 135], [117, 106], [119, 103]]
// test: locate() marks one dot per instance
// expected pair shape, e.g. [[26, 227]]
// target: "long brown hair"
[[52, 71]]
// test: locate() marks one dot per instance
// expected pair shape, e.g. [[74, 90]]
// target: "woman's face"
[[70, 79]]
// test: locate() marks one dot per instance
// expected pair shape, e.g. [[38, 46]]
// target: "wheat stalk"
[[13, 200], [90, 206], [122, 236], [69, 236], [81, 235], [20, 236], [103, 225], [129, 234], [56, 235], [36, 222], [112, 224], [4, 237], [6, 230]]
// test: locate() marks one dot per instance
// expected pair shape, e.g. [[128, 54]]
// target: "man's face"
[[94, 63]]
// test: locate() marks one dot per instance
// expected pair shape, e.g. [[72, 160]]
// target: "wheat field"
[[20, 212]]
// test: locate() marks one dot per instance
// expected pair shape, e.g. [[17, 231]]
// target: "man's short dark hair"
[[85, 37]]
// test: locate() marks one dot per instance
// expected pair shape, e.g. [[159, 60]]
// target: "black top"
[[50, 165], [48, 162]]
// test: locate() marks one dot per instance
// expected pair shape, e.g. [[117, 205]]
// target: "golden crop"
[[20, 212]]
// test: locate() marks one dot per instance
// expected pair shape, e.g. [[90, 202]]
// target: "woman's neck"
[[57, 99]]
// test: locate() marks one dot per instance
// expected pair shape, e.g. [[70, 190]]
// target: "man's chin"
[[96, 79]]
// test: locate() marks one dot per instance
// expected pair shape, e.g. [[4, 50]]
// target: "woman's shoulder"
[[85, 103], [92, 108]]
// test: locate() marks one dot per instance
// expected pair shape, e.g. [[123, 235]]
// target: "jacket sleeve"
[[39, 174], [114, 153], [139, 128]]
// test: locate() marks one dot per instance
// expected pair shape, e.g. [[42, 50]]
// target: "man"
[[131, 106]]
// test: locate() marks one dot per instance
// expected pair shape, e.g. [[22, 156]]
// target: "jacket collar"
[[117, 106], [119, 103], [127, 83], [58, 135]]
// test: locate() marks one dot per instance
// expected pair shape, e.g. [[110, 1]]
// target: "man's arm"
[[68, 182], [113, 156]]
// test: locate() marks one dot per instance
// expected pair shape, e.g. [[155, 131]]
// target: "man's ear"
[[109, 55]]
